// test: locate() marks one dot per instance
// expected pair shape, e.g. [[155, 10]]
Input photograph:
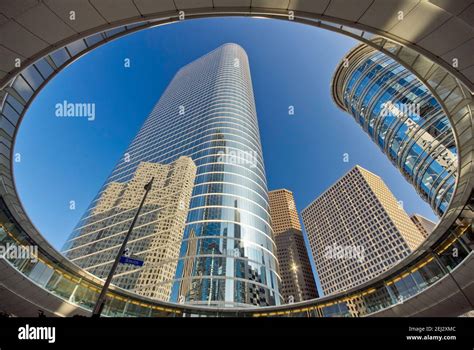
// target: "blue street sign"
[[131, 261]]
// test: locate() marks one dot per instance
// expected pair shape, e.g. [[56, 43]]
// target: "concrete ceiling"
[[442, 30]]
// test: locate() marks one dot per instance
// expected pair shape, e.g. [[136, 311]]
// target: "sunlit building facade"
[[207, 112], [283, 211], [402, 117], [357, 230], [297, 279], [423, 224]]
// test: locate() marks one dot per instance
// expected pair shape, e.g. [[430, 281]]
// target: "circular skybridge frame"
[[73, 291]]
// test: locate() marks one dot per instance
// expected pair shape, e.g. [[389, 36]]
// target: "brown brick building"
[[295, 269]]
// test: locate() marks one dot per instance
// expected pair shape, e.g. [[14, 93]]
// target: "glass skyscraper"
[[208, 113], [403, 118]]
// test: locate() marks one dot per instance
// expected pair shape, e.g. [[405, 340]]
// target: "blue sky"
[[68, 159]]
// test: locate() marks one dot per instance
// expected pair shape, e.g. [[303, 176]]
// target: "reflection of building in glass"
[[423, 224], [208, 113], [185, 287], [357, 230], [295, 268], [157, 235], [403, 118]]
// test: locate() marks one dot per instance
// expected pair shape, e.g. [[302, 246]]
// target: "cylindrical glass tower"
[[403, 118], [208, 113]]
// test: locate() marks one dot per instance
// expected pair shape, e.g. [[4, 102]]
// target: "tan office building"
[[157, 235], [297, 277], [423, 224], [283, 211], [357, 230]]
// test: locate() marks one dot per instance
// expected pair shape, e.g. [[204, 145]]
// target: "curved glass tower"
[[208, 113], [402, 117]]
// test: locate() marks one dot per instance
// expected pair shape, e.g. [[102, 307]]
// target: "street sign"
[[131, 261]]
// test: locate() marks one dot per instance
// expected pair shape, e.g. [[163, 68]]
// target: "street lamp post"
[[101, 300]]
